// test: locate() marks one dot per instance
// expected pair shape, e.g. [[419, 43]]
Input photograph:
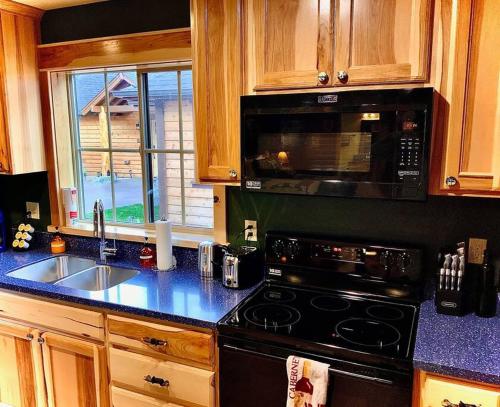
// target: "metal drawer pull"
[[157, 380], [154, 341], [448, 403]]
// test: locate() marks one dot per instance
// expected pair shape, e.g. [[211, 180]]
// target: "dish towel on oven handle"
[[307, 382]]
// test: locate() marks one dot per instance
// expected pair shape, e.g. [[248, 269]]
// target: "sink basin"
[[97, 278], [53, 269]]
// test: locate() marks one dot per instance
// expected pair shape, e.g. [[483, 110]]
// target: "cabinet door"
[[125, 398], [472, 149], [4, 135], [288, 43], [216, 40], [382, 41], [438, 389], [75, 372], [20, 92], [21, 370]]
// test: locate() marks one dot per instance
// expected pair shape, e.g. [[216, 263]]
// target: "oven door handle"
[[330, 369]]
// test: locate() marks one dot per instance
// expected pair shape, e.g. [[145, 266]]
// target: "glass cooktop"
[[331, 320]]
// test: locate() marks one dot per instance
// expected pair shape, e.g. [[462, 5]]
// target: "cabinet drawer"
[[64, 318], [125, 398], [162, 340], [184, 383], [436, 389]]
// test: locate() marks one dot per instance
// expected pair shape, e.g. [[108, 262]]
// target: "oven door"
[[249, 378]]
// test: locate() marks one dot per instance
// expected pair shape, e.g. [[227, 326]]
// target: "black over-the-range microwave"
[[369, 144]]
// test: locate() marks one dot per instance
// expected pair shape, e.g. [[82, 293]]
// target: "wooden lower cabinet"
[[21, 371], [125, 398], [75, 372], [437, 391], [162, 378]]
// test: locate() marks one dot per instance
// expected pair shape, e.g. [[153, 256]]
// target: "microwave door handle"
[[330, 370]]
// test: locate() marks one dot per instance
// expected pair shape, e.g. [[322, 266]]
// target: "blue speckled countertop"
[[466, 347], [177, 296]]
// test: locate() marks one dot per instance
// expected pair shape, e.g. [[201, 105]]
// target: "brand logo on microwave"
[[328, 99], [254, 184]]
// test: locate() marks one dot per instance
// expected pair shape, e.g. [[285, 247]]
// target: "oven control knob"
[[385, 259], [403, 261], [278, 248], [293, 249]]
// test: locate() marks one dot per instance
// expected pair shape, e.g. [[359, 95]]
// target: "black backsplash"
[[430, 225], [114, 17], [16, 190]]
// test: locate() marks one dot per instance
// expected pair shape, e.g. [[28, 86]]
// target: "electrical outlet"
[[476, 250], [251, 234], [34, 208]]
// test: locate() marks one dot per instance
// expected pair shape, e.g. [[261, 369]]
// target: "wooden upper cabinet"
[[21, 370], [216, 42], [288, 43], [472, 148], [382, 41], [21, 133]]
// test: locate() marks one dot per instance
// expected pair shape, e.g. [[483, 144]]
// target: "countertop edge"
[[109, 307]]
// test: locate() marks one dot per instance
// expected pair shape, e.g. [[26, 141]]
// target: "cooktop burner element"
[[279, 295], [385, 312], [330, 303], [366, 332], [272, 315]]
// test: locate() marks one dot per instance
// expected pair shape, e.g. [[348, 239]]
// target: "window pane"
[[165, 195], [187, 110], [124, 110], [90, 114], [163, 92], [199, 199], [94, 184], [128, 187]]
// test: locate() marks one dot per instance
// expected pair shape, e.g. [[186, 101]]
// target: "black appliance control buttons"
[[278, 248]]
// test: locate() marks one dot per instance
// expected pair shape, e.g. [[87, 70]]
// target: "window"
[[133, 146]]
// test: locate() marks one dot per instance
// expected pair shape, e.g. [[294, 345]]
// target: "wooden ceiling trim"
[[144, 48]]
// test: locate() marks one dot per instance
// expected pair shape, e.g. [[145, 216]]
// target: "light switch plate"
[[34, 208], [476, 250], [252, 238]]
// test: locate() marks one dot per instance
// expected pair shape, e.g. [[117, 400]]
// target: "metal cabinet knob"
[[342, 76], [233, 174], [451, 181], [156, 380], [323, 78], [154, 341]]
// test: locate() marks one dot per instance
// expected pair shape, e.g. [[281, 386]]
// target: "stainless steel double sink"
[[74, 272]]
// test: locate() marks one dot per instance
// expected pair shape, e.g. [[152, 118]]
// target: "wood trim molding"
[[18, 8], [144, 48]]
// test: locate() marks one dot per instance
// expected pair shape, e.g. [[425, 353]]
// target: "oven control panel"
[[329, 255]]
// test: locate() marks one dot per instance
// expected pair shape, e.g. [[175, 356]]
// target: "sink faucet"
[[104, 251]]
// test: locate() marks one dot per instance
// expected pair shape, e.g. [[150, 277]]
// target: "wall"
[[16, 190], [439, 222], [113, 17]]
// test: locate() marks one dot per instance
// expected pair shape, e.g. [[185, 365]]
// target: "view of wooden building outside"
[[168, 131]]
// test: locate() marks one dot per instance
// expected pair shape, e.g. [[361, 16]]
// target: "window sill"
[[135, 234]]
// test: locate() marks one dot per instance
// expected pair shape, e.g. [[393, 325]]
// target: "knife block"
[[451, 302]]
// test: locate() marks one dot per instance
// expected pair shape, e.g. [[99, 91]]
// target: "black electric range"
[[349, 304]]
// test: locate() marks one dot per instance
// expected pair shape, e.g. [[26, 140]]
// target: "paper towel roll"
[[164, 256]]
